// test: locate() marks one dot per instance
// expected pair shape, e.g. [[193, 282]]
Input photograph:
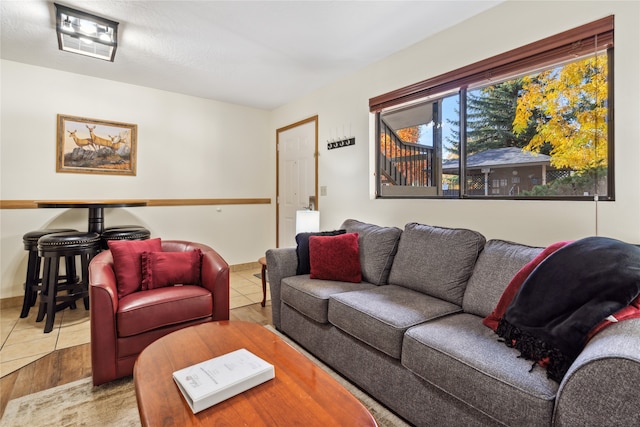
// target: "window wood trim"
[[588, 38]]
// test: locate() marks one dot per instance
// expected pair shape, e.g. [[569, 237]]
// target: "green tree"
[[490, 114], [576, 184]]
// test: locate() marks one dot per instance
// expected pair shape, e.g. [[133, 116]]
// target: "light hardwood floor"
[[74, 363], [64, 355], [22, 340]]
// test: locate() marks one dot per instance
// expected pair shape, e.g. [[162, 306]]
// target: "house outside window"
[[533, 123]]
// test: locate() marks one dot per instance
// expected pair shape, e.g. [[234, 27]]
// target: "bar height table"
[[96, 208]]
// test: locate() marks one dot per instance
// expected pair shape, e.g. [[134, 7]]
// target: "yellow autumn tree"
[[391, 150], [410, 134], [569, 105]]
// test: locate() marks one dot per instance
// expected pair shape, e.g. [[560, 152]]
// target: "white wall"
[[194, 148], [347, 172], [187, 148]]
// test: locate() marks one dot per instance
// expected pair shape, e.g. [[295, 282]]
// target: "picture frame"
[[94, 146]]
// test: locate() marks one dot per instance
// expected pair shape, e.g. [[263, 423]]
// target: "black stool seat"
[[115, 227], [30, 238], [68, 245], [68, 241], [124, 232], [33, 281]]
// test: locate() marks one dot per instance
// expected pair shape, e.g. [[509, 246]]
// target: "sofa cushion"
[[380, 316], [157, 308], [378, 246], [496, 266], [436, 261], [311, 297], [335, 258], [460, 355], [302, 250]]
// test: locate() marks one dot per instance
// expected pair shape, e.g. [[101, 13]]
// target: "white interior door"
[[297, 177]]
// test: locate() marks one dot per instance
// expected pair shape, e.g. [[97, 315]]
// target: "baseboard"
[[245, 266], [10, 302]]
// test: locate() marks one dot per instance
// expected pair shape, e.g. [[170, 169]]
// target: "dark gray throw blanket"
[[566, 296]]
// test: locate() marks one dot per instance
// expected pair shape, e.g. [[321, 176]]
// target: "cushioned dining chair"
[[142, 290]]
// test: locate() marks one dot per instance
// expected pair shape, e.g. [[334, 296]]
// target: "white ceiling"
[[256, 53]]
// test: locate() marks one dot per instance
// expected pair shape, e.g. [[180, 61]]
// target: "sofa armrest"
[[601, 386], [281, 263], [103, 300]]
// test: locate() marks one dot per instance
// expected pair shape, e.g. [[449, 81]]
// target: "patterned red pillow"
[[160, 269], [335, 257], [126, 262]]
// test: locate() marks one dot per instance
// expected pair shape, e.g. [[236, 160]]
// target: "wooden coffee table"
[[300, 394]]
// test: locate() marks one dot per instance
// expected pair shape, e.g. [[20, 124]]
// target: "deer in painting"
[[97, 139], [116, 142], [81, 142]]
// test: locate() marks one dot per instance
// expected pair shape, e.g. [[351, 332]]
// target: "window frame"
[[596, 36]]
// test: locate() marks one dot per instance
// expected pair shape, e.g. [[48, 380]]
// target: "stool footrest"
[[68, 246]]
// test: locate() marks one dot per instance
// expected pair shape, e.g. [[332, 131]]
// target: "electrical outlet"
[[323, 190]]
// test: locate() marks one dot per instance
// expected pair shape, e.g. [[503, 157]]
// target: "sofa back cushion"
[[378, 246], [435, 260], [496, 266]]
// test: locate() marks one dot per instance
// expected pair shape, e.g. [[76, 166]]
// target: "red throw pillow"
[[335, 257], [160, 269], [126, 262], [302, 250]]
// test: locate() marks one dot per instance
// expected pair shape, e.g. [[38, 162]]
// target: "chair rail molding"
[[31, 204]]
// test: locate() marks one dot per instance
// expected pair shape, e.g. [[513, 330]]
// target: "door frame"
[[315, 155]]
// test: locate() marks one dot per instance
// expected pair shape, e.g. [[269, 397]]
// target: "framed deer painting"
[[95, 146]]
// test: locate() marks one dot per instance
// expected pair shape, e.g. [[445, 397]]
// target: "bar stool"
[[33, 281], [67, 245], [124, 232]]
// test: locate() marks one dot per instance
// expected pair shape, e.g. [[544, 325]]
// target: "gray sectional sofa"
[[411, 334]]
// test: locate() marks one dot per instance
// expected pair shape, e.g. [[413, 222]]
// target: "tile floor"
[[23, 340]]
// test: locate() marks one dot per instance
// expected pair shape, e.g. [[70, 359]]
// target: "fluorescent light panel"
[[86, 34]]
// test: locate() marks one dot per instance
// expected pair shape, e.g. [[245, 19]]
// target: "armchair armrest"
[[601, 387], [103, 300], [281, 263], [215, 278]]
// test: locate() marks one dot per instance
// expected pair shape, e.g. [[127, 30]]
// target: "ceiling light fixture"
[[86, 34]]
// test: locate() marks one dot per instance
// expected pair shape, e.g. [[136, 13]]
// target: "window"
[[534, 123]]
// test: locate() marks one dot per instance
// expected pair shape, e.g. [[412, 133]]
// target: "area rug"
[[76, 404], [259, 276], [114, 404], [383, 416]]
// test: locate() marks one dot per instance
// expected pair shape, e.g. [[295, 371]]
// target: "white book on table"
[[212, 381]]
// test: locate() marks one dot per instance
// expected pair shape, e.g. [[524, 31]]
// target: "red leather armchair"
[[121, 329]]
